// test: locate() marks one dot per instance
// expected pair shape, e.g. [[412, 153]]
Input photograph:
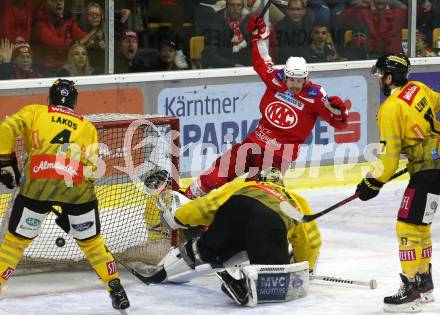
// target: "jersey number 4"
[[61, 137]]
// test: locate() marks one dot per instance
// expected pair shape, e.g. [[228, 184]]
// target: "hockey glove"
[[168, 202], [9, 173], [257, 28], [368, 188], [338, 108]]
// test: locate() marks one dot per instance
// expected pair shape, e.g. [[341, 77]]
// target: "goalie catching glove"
[[338, 108], [368, 188], [9, 173], [257, 28], [168, 202]]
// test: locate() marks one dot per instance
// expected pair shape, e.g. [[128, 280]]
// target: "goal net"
[[134, 146]]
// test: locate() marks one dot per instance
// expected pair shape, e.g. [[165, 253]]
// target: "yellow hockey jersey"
[[61, 152], [407, 124], [304, 237]]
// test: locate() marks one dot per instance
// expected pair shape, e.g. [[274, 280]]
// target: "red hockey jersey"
[[286, 119]]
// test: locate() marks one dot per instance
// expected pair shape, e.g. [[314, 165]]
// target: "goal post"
[[131, 147]]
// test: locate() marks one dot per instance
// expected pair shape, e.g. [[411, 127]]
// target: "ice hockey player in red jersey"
[[289, 109]]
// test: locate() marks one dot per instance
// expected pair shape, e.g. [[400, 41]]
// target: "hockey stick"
[[156, 277], [289, 210], [372, 284], [266, 7]]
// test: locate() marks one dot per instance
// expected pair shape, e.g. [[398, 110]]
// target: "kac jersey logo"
[[281, 115]]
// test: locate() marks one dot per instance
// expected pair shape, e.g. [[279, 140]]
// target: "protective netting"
[[129, 217]]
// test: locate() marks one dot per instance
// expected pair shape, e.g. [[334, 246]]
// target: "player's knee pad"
[[13, 247], [84, 226], [11, 250], [409, 234], [91, 244], [99, 257], [411, 242], [26, 222]]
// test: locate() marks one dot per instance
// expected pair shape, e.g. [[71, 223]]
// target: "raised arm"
[[261, 60]]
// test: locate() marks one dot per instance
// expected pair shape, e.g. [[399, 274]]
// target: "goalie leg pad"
[[276, 283], [27, 217], [175, 265], [237, 290], [235, 264], [183, 263]]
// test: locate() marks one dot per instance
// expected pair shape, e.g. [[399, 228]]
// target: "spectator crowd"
[[44, 38]]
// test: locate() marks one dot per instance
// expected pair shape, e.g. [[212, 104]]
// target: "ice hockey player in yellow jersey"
[[408, 124], [243, 216], [62, 151]]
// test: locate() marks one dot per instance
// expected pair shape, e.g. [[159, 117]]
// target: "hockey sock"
[[411, 240], [426, 250], [11, 251], [100, 258]]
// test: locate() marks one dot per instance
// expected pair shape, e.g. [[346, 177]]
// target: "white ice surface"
[[358, 243]]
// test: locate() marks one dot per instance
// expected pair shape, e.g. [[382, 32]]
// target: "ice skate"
[[406, 300], [425, 286], [119, 297], [235, 289]]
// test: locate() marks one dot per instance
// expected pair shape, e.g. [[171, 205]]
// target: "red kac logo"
[[281, 115]]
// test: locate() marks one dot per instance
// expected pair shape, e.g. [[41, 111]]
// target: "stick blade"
[[158, 276]]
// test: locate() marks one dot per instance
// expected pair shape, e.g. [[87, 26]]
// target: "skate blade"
[[427, 297], [412, 307], [123, 312]]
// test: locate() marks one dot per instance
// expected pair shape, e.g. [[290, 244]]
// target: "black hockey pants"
[[243, 223]]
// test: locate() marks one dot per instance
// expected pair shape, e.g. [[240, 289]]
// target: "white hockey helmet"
[[296, 67]]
